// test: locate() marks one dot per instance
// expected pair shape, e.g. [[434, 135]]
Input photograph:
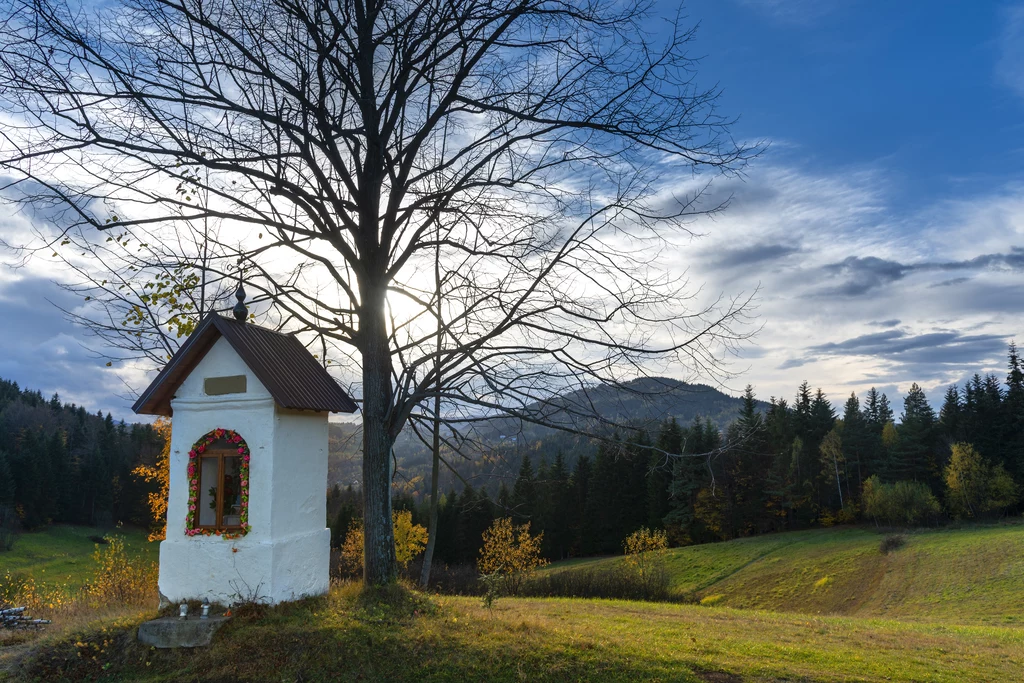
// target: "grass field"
[[973, 575], [457, 639], [945, 607], [63, 554]]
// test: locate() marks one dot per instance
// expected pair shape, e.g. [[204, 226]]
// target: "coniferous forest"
[[799, 464], [59, 463]]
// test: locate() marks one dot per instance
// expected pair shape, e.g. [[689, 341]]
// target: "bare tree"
[[540, 154]]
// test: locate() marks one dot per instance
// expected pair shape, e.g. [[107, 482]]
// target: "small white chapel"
[[246, 516]]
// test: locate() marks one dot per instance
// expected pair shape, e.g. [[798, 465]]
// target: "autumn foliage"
[[159, 472], [410, 540], [511, 553]]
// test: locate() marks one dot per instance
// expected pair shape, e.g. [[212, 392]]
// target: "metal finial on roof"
[[240, 311]]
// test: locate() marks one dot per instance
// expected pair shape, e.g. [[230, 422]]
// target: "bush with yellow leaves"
[[410, 540], [511, 553], [645, 552], [120, 578]]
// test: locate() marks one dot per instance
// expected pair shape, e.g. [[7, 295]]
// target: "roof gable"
[[281, 363]]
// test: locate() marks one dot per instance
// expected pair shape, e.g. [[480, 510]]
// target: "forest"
[[794, 466], [59, 463], [786, 466]]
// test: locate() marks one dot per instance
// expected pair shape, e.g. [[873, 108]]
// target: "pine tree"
[[7, 490], [916, 454], [951, 417], [579, 486], [779, 480], [669, 444], [747, 468], [603, 524], [557, 528], [524, 493], [1013, 416], [856, 441]]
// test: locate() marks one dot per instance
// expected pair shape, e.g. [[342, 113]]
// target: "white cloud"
[[833, 257]]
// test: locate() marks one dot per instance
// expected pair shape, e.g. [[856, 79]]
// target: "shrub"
[[904, 503], [645, 552], [410, 539], [612, 583], [975, 487], [892, 542], [120, 578], [510, 552], [351, 560]]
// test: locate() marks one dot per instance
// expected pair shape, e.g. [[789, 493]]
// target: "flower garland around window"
[[198, 448]]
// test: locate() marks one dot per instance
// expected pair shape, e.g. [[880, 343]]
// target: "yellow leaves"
[[352, 549], [645, 540], [510, 552], [120, 578], [160, 473], [410, 539], [645, 548]]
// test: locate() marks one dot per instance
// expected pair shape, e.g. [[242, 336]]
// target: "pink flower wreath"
[[198, 448]]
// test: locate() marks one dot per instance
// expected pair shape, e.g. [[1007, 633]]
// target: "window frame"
[[220, 452]]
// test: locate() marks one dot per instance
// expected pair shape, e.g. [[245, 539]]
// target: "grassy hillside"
[[445, 639], [971, 575], [63, 554]]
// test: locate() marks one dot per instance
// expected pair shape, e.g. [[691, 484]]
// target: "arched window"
[[218, 485]]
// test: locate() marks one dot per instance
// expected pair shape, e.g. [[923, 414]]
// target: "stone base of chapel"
[[244, 569]]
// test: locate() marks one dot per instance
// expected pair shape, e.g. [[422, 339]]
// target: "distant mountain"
[[643, 403]]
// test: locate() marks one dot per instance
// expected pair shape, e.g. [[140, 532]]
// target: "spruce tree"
[[524, 493], [856, 439], [915, 457], [669, 445], [7, 490], [579, 486], [778, 486], [558, 537], [1013, 416], [951, 417]]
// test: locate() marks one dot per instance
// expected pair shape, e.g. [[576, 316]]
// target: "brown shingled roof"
[[289, 372]]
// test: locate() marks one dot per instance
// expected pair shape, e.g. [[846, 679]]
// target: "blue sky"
[[884, 226]]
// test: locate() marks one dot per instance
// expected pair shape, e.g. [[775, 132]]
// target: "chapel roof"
[[294, 378]]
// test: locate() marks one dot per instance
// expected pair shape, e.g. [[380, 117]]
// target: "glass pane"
[[208, 491], [232, 491]]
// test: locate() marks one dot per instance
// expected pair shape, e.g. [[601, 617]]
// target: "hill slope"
[[961, 576], [643, 402], [456, 640]]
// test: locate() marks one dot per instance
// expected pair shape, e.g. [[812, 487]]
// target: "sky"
[[883, 227]]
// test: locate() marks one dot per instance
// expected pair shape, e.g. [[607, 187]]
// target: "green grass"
[[63, 553], [972, 575], [457, 640], [823, 605]]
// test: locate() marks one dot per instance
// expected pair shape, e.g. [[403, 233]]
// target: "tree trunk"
[[428, 554], [379, 563]]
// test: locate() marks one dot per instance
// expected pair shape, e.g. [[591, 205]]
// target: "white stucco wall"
[[286, 553]]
